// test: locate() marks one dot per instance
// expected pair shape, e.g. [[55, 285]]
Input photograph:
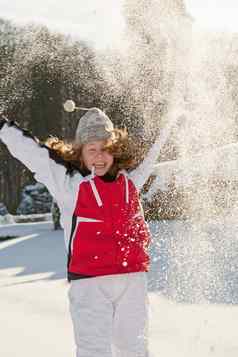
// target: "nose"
[[100, 154]]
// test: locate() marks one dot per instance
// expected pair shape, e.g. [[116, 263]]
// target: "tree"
[[39, 70]]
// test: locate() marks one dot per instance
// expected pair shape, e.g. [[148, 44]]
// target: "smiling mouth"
[[100, 166]]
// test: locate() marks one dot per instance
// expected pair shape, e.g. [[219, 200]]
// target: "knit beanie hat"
[[94, 125]]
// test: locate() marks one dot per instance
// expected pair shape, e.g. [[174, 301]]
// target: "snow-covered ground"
[[34, 307]]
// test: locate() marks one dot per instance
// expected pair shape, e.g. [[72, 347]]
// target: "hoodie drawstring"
[[127, 186], [94, 188], [96, 193]]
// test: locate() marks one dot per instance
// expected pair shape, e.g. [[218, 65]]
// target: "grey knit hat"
[[94, 125]]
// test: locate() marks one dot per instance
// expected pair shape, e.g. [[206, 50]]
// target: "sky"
[[101, 21], [98, 21], [215, 14]]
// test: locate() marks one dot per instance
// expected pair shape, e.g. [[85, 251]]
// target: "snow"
[[34, 307], [218, 163], [21, 218], [192, 330]]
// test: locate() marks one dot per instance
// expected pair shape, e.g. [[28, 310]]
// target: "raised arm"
[[48, 168], [141, 174]]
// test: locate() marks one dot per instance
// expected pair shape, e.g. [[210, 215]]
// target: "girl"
[[105, 232]]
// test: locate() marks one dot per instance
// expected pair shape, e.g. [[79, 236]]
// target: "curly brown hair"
[[121, 146]]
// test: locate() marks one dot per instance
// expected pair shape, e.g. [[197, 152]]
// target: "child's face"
[[94, 154]]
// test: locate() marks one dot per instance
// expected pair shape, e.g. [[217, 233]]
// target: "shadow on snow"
[[42, 253]]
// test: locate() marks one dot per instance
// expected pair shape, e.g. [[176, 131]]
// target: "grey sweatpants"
[[110, 315]]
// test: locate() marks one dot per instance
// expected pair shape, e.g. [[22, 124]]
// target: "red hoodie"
[[109, 234]]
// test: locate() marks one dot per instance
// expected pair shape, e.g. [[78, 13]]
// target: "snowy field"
[[34, 306]]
